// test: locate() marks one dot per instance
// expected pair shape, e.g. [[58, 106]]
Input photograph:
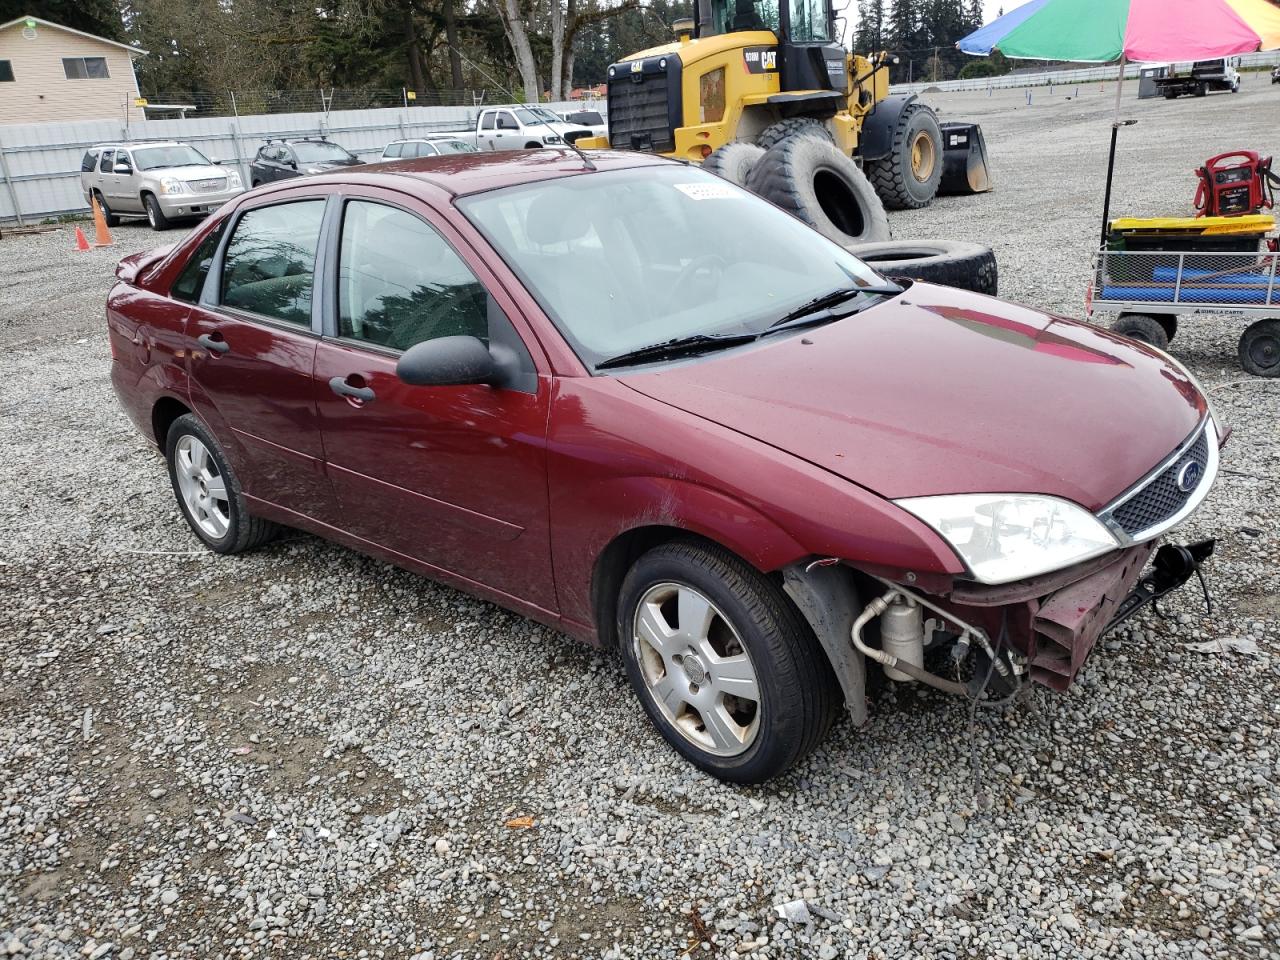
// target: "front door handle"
[[213, 342], [343, 389]]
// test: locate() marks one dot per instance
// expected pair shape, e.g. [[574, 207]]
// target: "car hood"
[[941, 391]]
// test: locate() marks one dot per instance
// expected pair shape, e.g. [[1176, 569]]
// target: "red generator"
[[1232, 184]]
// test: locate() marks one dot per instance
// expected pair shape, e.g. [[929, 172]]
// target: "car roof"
[[135, 144], [461, 174]]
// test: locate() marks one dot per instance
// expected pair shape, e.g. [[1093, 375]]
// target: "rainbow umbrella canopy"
[[1107, 31], [1103, 31]]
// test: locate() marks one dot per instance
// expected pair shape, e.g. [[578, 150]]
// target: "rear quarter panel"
[[148, 349]]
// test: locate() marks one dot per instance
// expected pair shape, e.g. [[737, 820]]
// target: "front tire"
[[724, 666], [908, 177], [155, 216], [208, 492]]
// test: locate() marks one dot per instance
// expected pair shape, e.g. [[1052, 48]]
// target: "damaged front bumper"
[[1052, 621], [1055, 620]]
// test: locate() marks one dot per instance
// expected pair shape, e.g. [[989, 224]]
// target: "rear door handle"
[[343, 389], [213, 342]]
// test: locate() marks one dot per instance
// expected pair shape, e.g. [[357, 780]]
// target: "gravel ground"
[[304, 752]]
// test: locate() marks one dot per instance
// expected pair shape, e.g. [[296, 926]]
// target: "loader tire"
[[775, 133], [950, 263], [816, 183], [908, 177], [733, 161]]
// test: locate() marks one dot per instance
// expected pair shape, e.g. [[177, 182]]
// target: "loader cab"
[[809, 56]]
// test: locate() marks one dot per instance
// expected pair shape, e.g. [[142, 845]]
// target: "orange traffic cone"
[[102, 236], [82, 242]]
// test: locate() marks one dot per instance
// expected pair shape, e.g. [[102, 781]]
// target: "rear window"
[[190, 281], [270, 261], [89, 161], [392, 150], [587, 118]]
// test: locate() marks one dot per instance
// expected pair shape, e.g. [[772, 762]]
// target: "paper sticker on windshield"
[[709, 191]]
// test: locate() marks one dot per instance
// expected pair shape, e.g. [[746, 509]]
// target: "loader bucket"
[[964, 159]]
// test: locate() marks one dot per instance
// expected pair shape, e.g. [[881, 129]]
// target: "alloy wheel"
[[202, 486], [696, 669]]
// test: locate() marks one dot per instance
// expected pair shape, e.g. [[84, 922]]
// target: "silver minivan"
[[161, 181]]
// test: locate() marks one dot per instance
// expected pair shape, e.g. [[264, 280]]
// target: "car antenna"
[[586, 161]]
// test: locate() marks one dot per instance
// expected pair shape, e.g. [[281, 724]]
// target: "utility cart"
[[1151, 272]]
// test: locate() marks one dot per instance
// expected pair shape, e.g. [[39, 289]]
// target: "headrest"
[[558, 216]]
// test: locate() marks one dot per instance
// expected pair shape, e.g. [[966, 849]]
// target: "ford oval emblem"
[[1189, 476]]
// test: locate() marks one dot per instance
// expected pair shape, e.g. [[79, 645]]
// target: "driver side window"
[[400, 283]]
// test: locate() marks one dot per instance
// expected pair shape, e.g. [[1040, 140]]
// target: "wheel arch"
[[166, 410]]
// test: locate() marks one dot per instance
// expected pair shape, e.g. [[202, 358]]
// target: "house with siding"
[[50, 73]]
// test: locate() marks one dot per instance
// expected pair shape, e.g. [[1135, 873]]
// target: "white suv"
[[160, 181]]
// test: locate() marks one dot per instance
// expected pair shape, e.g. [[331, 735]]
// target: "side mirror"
[[291, 163], [122, 168], [448, 362]]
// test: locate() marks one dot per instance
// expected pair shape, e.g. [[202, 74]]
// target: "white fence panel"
[[40, 163]]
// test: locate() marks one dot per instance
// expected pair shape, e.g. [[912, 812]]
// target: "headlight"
[[233, 181], [552, 138], [172, 185], [1011, 536]]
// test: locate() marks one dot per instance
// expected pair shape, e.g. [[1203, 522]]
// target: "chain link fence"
[[180, 104]]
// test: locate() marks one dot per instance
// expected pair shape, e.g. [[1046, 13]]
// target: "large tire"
[[775, 133], [734, 161], [1143, 328], [908, 177], [737, 632], [812, 180], [155, 216], [197, 465], [1260, 348], [968, 266]]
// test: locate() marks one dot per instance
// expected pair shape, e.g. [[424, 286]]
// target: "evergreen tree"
[[98, 17]]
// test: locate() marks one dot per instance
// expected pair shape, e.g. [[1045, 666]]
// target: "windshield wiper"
[[828, 300], [679, 347]]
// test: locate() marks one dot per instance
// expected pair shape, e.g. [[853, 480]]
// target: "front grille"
[[1161, 498], [209, 186], [644, 104]]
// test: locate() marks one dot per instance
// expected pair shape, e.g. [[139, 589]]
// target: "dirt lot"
[[301, 752]]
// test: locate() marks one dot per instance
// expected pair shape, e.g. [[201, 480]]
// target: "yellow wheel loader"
[[766, 73]]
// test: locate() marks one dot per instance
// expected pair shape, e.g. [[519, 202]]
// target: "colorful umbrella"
[[1102, 31]]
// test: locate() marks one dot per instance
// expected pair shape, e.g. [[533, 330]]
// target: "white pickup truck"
[[522, 128]]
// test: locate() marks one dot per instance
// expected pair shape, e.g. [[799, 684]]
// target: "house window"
[[85, 68], [6, 71]]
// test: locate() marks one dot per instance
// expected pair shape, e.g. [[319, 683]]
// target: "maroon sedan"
[[638, 404]]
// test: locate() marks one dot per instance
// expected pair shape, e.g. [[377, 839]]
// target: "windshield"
[[153, 158], [453, 146], [808, 20], [586, 117], [314, 151], [532, 115], [728, 16], [628, 258]]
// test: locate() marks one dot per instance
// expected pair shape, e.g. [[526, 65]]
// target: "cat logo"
[[637, 66], [760, 59]]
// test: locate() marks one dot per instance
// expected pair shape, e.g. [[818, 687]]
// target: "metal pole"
[[240, 158], [8, 182], [1111, 159]]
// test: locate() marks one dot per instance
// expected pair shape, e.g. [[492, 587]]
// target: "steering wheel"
[[698, 281]]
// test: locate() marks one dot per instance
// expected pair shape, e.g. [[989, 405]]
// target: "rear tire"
[[1143, 328], [733, 161], [908, 177], [208, 491], [951, 263], [1260, 348], [155, 216], [722, 626], [775, 133], [109, 218], [812, 180]]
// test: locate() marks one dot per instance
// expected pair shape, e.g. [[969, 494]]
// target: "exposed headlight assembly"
[[1004, 537], [552, 138], [172, 185]]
